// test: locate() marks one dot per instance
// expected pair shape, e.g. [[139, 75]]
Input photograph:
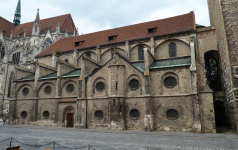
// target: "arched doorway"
[[68, 117]]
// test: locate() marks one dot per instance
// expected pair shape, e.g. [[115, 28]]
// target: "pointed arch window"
[[141, 52], [47, 43], [16, 58], [172, 50], [9, 86], [2, 50]]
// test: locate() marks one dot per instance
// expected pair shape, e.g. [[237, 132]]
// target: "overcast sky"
[[94, 15]]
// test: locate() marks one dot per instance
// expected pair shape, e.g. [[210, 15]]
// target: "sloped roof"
[[49, 76], [66, 21], [75, 73], [139, 65], [28, 78], [6, 26], [176, 62], [173, 25]]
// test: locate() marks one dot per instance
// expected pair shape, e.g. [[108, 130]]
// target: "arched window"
[[47, 43], [2, 50], [88, 55], [66, 60], [141, 53], [172, 50], [9, 86]]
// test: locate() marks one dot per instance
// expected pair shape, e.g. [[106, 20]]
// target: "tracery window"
[[141, 53], [16, 57], [2, 50], [172, 50], [47, 43]]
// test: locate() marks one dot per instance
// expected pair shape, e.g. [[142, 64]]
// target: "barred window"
[[46, 114], [172, 113], [48, 90], [134, 113], [170, 82], [134, 84], [47, 43], [2, 50], [16, 57], [23, 114], [98, 114], [70, 88], [25, 91], [100, 86], [141, 53], [172, 50]]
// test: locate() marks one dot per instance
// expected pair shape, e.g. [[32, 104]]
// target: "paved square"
[[112, 140]]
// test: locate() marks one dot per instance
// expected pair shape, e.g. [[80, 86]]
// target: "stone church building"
[[20, 43], [164, 75]]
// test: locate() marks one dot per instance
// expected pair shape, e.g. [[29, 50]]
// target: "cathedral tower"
[[17, 16]]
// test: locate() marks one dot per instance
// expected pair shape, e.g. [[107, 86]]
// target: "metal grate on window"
[[134, 113], [172, 113], [70, 88], [170, 82], [134, 84], [172, 50], [48, 90], [25, 91], [23, 114], [100, 86], [16, 57], [141, 53], [46, 114], [99, 114]]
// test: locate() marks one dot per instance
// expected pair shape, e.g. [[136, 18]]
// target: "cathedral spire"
[[17, 16], [36, 24]]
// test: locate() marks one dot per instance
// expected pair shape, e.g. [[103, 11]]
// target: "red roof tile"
[[6, 26], [66, 21], [177, 24]]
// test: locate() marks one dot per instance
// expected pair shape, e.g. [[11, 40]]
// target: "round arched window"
[[48, 90], [100, 86], [70, 88], [172, 114], [46, 114], [25, 91], [134, 114], [170, 82], [23, 114], [134, 84], [99, 114]]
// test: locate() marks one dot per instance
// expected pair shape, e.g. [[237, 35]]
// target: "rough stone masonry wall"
[[225, 23]]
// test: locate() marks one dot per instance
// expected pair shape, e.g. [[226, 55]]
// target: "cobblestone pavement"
[[112, 140]]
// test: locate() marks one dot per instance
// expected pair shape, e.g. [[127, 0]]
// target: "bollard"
[[54, 145], [11, 142], [88, 147]]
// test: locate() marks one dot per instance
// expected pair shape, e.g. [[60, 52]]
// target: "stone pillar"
[[127, 48], [75, 58], [55, 58], [152, 45], [98, 54], [193, 72]]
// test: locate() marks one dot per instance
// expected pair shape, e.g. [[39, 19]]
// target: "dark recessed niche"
[[99, 114], [70, 88], [46, 114]]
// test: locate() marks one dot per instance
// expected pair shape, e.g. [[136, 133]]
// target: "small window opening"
[[114, 102], [66, 60], [120, 108], [141, 52], [116, 85], [88, 55], [111, 38], [151, 30], [172, 50], [78, 43]]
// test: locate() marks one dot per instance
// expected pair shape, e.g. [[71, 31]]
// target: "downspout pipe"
[[201, 118]]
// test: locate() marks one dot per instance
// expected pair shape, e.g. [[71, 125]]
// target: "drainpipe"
[[86, 119], [201, 118]]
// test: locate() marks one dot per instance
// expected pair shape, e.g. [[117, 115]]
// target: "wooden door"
[[70, 120]]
